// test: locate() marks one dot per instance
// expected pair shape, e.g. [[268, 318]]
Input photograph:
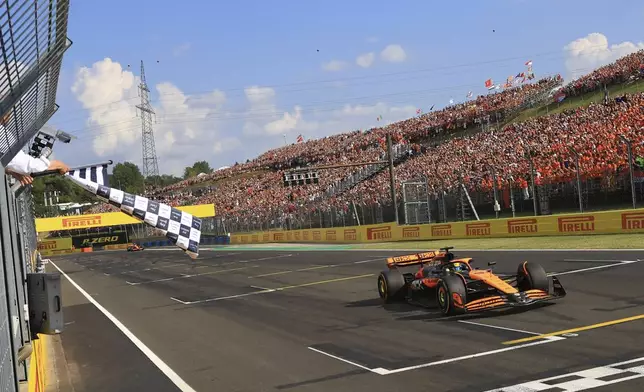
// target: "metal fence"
[[33, 40], [419, 205]]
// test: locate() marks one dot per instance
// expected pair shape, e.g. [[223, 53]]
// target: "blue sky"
[[196, 48]]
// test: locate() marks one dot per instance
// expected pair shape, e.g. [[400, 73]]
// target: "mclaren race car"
[[135, 248], [458, 288]]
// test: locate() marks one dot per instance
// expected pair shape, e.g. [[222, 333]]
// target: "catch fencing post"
[[630, 168]]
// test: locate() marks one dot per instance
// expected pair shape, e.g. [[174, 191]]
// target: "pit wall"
[[605, 222], [64, 245]]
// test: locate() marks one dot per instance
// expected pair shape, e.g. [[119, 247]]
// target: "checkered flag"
[[41, 141], [181, 228]]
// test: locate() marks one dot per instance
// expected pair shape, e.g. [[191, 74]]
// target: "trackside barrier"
[[606, 222], [38, 362], [89, 221]]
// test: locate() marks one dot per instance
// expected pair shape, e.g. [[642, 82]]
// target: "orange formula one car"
[[135, 248], [458, 288]]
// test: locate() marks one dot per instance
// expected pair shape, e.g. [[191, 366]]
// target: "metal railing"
[[33, 40], [612, 190]]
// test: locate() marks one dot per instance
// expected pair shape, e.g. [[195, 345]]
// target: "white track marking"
[[188, 276], [178, 300], [498, 327], [385, 372], [177, 265], [339, 359], [616, 264], [174, 377], [279, 289], [600, 260], [586, 379], [265, 258], [260, 288], [229, 297], [313, 268], [367, 261]]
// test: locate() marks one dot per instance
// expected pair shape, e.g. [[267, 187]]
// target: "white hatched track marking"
[[385, 372], [617, 263], [174, 377], [499, 327], [584, 379]]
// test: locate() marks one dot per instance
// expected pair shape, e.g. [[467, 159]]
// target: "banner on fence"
[[83, 241], [110, 219], [625, 221], [51, 244]]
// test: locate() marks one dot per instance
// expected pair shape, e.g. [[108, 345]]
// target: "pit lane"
[[308, 320]]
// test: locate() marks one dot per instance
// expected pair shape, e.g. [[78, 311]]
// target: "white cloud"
[[109, 94], [108, 91], [189, 128], [585, 54], [365, 60], [393, 54], [334, 66]]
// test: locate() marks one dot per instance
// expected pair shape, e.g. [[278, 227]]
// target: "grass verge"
[[604, 241]]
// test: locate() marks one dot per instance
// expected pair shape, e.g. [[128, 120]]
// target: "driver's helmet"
[[458, 267]]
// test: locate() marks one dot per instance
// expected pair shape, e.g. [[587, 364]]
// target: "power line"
[[558, 54]]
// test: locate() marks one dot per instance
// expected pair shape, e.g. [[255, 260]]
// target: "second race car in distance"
[[459, 288], [135, 247]]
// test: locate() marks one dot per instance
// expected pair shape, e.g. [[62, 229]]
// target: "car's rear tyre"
[[391, 286], [532, 276], [451, 295]]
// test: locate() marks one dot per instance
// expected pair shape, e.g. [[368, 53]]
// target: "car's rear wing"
[[413, 259]]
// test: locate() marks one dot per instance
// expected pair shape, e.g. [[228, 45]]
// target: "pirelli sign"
[[576, 224], [350, 234], [523, 226], [478, 229], [411, 233], [379, 233], [632, 221], [81, 222], [442, 230]]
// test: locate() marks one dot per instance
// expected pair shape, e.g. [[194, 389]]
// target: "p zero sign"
[[90, 241]]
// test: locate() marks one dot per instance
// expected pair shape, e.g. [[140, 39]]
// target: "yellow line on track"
[[573, 330]]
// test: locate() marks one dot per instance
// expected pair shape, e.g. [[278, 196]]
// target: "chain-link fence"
[[474, 198]]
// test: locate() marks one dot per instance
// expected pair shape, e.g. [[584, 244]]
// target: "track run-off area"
[[298, 319]]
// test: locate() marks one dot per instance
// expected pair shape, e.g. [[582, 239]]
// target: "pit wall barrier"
[[64, 245], [37, 364], [605, 222]]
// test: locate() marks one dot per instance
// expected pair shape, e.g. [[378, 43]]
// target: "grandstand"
[[465, 144]]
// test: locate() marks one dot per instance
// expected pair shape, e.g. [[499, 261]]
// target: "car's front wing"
[[520, 299]]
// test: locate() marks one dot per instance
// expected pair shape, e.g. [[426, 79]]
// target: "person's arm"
[[23, 165]]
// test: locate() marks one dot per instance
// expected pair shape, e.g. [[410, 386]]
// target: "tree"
[[196, 169], [127, 177], [163, 180]]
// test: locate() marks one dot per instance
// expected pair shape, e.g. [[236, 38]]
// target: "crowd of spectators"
[[255, 189], [623, 70]]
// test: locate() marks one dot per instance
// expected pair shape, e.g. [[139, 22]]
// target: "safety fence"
[[418, 204], [33, 41]]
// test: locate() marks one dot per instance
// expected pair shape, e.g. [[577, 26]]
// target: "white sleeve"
[[26, 164]]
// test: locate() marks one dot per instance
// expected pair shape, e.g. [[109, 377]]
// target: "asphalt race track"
[[312, 321]]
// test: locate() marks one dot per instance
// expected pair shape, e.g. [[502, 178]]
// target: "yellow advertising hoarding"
[[625, 221], [109, 219]]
